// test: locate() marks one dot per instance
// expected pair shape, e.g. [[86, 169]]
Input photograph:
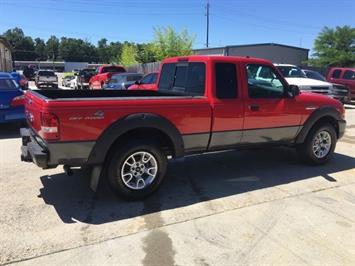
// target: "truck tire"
[[318, 148], [136, 169]]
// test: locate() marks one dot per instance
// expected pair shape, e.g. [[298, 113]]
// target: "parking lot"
[[245, 207]]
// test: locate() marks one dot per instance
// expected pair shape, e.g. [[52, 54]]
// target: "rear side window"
[[46, 73], [336, 73], [7, 84], [349, 74], [134, 77], [113, 69], [187, 78], [226, 81]]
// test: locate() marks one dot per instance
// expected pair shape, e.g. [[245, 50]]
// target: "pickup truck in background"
[[46, 78], [103, 75], [203, 104], [344, 76], [82, 78]]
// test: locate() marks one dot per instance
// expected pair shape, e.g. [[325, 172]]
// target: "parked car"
[[66, 80], [20, 79], [203, 104], [148, 82], [103, 74], [344, 76], [295, 76], [83, 78], [338, 91], [122, 81], [46, 78], [11, 99]]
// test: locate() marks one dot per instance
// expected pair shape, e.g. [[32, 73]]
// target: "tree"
[[167, 43], [335, 47], [103, 51], [128, 56], [146, 53], [52, 47], [23, 46], [77, 50], [40, 49]]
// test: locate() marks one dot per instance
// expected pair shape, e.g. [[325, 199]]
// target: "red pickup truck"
[[344, 76], [102, 76], [202, 104]]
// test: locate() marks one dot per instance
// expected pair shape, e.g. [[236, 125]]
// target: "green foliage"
[[23, 46], [168, 43], [335, 47], [52, 46], [146, 53], [128, 56]]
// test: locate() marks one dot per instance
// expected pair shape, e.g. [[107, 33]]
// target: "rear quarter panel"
[[86, 120]]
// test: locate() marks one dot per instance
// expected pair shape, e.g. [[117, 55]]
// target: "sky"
[[232, 22]]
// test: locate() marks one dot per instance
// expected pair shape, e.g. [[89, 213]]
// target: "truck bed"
[[92, 94]]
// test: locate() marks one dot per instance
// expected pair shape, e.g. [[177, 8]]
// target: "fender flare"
[[326, 111], [131, 122]]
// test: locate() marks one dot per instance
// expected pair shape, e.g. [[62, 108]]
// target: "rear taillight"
[[18, 101], [49, 126]]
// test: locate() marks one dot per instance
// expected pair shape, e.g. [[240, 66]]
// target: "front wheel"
[[319, 145], [137, 169]]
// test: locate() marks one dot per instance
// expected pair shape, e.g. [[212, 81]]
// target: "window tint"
[[8, 84], [46, 73], [263, 82], [167, 76], [134, 77], [113, 69], [146, 79], [226, 81], [154, 78], [336, 73], [188, 78], [291, 71], [349, 74]]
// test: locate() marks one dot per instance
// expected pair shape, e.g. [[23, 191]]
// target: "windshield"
[[8, 84], [46, 73], [314, 75], [291, 72]]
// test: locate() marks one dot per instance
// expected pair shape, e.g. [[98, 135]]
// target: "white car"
[[295, 76], [73, 84]]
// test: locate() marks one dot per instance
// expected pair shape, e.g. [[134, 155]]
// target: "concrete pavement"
[[247, 207]]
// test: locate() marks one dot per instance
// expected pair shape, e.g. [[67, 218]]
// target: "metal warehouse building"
[[277, 53]]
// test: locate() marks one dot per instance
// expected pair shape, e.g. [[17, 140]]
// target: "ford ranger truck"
[[103, 75], [203, 104]]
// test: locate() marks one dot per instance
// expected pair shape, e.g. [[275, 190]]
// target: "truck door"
[[227, 104], [270, 116]]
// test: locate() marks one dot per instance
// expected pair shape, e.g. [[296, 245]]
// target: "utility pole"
[[207, 21]]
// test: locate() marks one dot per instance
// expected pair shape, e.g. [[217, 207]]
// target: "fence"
[[145, 68]]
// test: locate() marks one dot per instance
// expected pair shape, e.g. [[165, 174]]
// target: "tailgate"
[[34, 105], [47, 79]]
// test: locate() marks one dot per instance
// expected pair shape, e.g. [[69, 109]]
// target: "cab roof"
[[219, 58]]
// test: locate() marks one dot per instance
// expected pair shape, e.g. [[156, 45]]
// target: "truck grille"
[[320, 89]]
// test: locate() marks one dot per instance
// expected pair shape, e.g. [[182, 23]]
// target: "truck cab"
[[103, 74]]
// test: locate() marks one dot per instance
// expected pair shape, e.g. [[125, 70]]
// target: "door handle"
[[254, 107]]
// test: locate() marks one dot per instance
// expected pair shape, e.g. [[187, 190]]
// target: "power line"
[[207, 22]]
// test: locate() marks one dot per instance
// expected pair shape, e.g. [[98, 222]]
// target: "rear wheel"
[[319, 145], [137, 169]]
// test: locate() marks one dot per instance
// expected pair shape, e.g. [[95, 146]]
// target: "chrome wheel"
[[139, 170], [322, 144]]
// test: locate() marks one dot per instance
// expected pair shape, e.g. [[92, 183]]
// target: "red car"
[[103, 75], [344, 76], [203, 104], [148, 82]]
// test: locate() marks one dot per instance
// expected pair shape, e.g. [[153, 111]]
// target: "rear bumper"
[[342, 126], [50, 155]]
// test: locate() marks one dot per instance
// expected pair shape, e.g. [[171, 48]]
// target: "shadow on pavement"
[[188, 181], [10, 131]]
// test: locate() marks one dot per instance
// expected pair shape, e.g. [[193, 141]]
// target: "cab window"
[[184, 78], [336, 73], [263, 82]]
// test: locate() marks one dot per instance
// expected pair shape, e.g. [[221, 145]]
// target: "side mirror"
[[293, 91]]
